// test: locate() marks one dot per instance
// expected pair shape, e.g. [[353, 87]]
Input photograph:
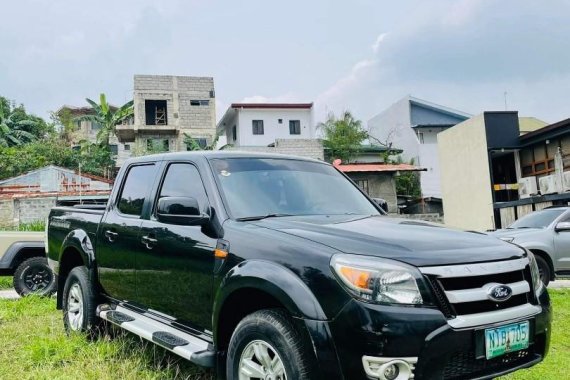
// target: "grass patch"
[[6, 282], [35, 346], [555, 366]]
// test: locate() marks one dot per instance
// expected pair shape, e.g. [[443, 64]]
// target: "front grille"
[[458, 283], [465, 363], [488, 305], [462, 290]]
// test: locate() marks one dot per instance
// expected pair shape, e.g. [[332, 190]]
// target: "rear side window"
[[183, 180], [136, 189]]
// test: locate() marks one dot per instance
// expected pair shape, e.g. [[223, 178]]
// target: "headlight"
[[378, 280], [535, 274], [507, 239]]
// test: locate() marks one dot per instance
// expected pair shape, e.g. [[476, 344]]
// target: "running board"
[[188, 346]]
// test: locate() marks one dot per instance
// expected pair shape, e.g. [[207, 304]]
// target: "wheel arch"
[[543, 254], [19, 252], [257, 284], [76, 250]]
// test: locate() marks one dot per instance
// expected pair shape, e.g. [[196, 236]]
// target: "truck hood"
[[516, 232], [412, 242]]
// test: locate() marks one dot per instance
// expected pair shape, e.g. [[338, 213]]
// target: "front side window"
[[257, 126], [183, 180], [294, 127], [135, 189], [538, 219], [255, 187]]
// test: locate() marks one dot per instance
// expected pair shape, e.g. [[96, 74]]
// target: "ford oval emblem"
[[500, 293]]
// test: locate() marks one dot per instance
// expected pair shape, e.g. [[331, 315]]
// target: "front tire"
[[34, 276], [266, 345], [79, 303]]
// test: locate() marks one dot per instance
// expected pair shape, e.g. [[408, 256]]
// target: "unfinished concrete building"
[[170, 110]]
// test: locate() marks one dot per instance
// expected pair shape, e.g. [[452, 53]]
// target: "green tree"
[[408, 182], [65, 123], [343, 136], [108, 117], [17, 127], [17, 160], [192, 144]]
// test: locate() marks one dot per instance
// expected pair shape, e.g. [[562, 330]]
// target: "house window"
[[201, 142], [234, 133], [420, 137], [257, 127], [158, 145], [197, 103], [280, 121], [155, 112], [127, 147], [538, 159], [294, 127], [363, 184], [95, 126], [114, 149]]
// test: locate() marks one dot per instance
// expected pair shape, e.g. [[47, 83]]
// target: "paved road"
[[9, 294]]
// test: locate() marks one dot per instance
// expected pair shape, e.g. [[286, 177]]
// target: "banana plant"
[[108, 117], [11, 132]]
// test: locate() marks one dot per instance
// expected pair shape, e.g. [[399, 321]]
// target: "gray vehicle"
[[547, 234]]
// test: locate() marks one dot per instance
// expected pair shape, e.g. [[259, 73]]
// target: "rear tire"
[[544, 269], [79, 304], [34, 276], [266, 345]]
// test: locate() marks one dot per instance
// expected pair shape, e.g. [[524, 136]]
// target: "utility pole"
[[505, 94]]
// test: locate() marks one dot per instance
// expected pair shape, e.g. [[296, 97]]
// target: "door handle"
[[111, 236], [149, 242]]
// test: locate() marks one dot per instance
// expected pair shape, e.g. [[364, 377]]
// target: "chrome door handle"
[[149, 242], [111, 236]]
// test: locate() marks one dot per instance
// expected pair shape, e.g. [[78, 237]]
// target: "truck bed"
[[63, 220]]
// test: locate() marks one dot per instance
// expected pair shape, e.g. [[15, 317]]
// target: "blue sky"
[[357, 55]]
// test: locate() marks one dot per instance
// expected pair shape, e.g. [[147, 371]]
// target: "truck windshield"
[[538, 219], [255, 188]]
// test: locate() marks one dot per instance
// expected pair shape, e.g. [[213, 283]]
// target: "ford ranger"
[[274, 267]]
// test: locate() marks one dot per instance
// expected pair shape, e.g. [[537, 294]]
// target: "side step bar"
[[188, 346]]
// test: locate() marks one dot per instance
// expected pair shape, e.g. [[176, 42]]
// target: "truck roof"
[[212, 154]]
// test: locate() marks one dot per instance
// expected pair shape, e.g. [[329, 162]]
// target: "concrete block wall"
[[178, 91], [7, 213], [309, 148], [29, 210]]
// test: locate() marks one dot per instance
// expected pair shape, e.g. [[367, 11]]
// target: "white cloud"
[[378, 42]]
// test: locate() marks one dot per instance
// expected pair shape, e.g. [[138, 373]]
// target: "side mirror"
[[562, 226], [382, 203], [180, 210]]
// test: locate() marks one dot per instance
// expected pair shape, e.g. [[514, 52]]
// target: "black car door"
[[175, 263], [118, 234]]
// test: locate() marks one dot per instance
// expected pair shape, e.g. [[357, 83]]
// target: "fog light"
[[382, 368], [391, 372]]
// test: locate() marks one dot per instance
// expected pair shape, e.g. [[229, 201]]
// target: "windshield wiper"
[[259, 217]]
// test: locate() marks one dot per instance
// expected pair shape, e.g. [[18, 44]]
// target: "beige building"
[[168, 111], [497, 167]]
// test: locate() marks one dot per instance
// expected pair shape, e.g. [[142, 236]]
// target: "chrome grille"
[[462, 291]]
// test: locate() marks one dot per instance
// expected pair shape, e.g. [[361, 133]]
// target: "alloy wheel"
[[259, 360]]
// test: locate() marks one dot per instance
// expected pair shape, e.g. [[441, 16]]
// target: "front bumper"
[[377, 331]]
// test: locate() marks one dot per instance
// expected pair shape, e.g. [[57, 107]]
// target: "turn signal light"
[[357, 277], [220, 253]]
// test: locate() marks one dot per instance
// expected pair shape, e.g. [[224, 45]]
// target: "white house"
[[261, 124], [412, 124]]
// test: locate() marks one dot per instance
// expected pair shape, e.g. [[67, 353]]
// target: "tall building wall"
[[465, 176], [190, 108]]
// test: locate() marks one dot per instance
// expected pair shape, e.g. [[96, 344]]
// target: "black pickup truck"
[[274, 267]]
